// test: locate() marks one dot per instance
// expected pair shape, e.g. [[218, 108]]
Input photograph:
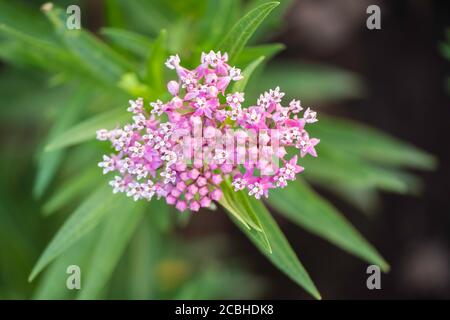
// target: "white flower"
[[139, 171], [173, 62], [213, 58], [118, 184], [189, 81], [103, 134], [310, 116], [235, 74], [220, 156], [137, 150], [126, 164], [256, 189], [235, 100], [276, 94], [234, 113], [253, 116], [239, 184], [170, 157], [295, 106], [264, 100], [134, 190], [107, 164], [157, 107], [169, 176], [136, 106], [139, 121], [148, 190]]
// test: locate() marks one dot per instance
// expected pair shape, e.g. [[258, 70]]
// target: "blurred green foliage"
[[59, 86]]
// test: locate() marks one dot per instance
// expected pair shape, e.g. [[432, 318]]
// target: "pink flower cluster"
[[153, 157]]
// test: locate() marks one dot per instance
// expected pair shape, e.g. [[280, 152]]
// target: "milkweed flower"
[[208, 137]]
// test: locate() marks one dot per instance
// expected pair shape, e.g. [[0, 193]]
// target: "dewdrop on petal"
[[149, 155]]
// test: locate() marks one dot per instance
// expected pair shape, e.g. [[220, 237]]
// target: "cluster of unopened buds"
[[208, 137]]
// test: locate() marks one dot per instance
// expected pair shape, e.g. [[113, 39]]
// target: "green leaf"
[[87, 129], [37, 52], [445, 50], [228, 203], [273, 23], [53, 283], [103, 62], [148, 16], [303, 206], [311, 83], [282, 256], [334, 166], [250, 54], [146, 250], [363, 141], [117, 231], [155, 62], [216, 20], [131, 84], [236, 39], [216, 282], [48, 162], [237, 204], [239, 86], [69, 190], [366, 199], [85, 218], [114, 14], [181, 38], [160, 215], [24, 18], [133, 42]]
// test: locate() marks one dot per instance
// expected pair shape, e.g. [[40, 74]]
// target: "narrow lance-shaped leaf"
[[87, 129], [24, 18], [236, 39], [117, 231], [48, 162], [160, 215], [148, 15], [282, 256], [114, 14], [85, 218], [102, 61], [240, 85], [133, 42], [227, 202], [146, 250], [53, 283], [303, 206], [155, 61], [335, 165], [250, 54], [366, 200], [311, 82], [237, 204], [79, 184], [217, 17], [371, 144], [38, 52], [273, 23]]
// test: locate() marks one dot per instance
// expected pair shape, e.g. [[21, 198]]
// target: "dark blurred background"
[[407, 97]]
